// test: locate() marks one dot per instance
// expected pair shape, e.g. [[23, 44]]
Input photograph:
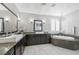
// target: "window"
[[55, 25]]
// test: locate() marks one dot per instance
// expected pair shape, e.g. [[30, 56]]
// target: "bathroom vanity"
[[11, 45], [22, 40], [35, 39], [7, 48]]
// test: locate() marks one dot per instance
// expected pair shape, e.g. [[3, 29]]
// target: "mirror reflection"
[[8, 21]]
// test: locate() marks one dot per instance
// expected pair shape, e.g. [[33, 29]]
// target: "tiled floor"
[[48, 49]]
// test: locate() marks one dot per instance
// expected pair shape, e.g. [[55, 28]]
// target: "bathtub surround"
[[65, 42]]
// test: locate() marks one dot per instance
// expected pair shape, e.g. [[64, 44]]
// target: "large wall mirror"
[[38, 26], [8, 21], [1, 24]]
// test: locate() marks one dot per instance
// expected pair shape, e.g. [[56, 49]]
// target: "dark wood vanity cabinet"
[[34, 39], [10, 52], [19, 47], [19, 50]]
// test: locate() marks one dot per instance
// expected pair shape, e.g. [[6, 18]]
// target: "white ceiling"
[[38, 8]]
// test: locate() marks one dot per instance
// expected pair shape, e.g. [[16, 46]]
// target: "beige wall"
[[28, 26]]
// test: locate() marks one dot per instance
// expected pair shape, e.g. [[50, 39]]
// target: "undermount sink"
[[8, 39]]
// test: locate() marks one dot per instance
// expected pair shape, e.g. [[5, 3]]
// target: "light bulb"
[[31, 20], [6, 19], [19, 18], [44, 21]]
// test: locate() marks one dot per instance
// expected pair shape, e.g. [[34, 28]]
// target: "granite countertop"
[[5, 47], [29, 33]]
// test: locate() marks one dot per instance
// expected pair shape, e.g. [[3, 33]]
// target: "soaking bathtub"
[[65, 42]]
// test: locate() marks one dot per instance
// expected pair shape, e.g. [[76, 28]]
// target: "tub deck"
[[69, 42]]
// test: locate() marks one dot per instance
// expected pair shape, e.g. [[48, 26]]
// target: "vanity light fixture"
[[44, 21], [31, 20], [6, 49], [7, 19], [19, 18]]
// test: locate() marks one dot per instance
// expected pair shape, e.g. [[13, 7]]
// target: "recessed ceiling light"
[[53, 5], [43, 3]]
